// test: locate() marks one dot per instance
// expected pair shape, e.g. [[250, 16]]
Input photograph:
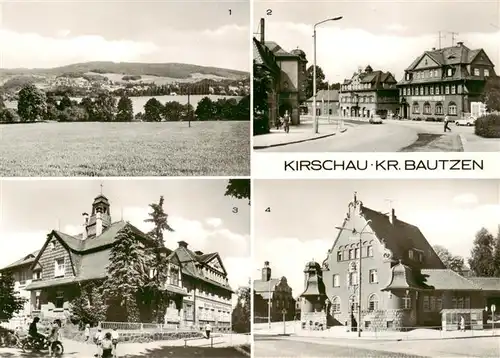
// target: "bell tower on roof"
[[100, 219]]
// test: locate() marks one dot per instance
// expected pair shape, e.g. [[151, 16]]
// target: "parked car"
[[469, 121], [376, 119]]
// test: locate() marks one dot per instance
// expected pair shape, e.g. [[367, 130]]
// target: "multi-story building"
[[369, 92], [288, 76], [196, 285], [275, 292], [327, 103], [402, 280], [444, 82]]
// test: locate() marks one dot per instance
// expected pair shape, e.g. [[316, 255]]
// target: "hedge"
[[488, 126]]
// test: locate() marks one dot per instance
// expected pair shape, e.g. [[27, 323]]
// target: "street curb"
[[243, 351], [463, 142], [297, 141]]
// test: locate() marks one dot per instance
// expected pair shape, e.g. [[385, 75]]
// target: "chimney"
[[266, 272], [183, 244], [198, 253], [392, 216], [98, 223], [262, 30], [85, 223], [433, 49], [460, 43]]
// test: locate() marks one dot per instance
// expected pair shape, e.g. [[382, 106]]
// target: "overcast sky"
[[304, 213], [201, 32], [198, 211], [388, 35]]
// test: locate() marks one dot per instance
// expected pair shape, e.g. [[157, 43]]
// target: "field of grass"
[[125, 149]]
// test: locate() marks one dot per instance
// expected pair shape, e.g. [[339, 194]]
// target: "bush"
[[418, 119], [260, 124], [488, 126], [430, 119], [439, 119]]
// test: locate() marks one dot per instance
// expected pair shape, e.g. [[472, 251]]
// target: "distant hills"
[[171, 70]]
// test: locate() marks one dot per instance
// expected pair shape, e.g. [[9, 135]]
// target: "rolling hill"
[[170, 70]]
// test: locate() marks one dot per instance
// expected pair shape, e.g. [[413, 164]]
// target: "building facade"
[[444, 82], [197, 284], [369, 92], [288, 72], [327, 103], [403, 282], [275, 292]]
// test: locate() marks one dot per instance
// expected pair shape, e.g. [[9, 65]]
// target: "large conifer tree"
[[10, 301], [481, 260]]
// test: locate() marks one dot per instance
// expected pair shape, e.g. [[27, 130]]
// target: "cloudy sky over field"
[[303, 215], [198, 211], [202, 32], [388, 35]]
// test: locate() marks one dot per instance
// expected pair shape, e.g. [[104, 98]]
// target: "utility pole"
[[441, 36], [189, 105], [453, 35]]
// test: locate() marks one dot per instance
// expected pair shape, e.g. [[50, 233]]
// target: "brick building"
[[369, 92], [278, 292], [403, 281], [444, 82], [288, 72], [197, 283]]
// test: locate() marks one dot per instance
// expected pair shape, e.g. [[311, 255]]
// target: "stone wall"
[[318, 320], [383, 320]]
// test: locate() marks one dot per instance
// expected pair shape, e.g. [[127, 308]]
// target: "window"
[[467, 302], [353, 303], [335, 305], [174, 277], [476, 72], [453, 89], [373, 302], [439, 108], [426, 304], [353, 278], [416, 108], [427, 108], [486, 72], [450, 72], [452, 108], [373, 277], [407, 302], [59, 268], [410, 254], [437, 90], [431, 90], [356, 253], [432, 303], [421, 91], [23, 275], [426, 90], [435, 73], [447, 90], [351, 254], [369, 251], [420, 257], [53, 244], [460, 303], [59, 301], [439, 304], [37, 275], [336, 281], [390, 324], [454, 302], [339, 255]]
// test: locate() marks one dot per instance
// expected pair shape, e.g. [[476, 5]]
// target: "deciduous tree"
[[320, 80], [240, 316], [104, 107], [481, 260], [125, 110], [153, 110], [10, 301], [31, 105], [496, 255], [491, 94], [453, 262], [238, 188], [89, 307], [205, 110]]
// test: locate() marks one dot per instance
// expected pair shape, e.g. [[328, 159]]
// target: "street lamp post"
[[360, 234], [315, 119], [269, 305], [493, 308]]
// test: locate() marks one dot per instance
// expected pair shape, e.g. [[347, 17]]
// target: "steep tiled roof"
[[373, 77], [323, 95], [277, 50], [261, 286], [446, 279], [28, 259], [486, 283], [262, 56], [454, 55], [399, 237], [403, 277]]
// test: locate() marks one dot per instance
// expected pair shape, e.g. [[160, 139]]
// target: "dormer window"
[[408, 77], [410, 254], [449, 72], [486, 72], [420, 257], [476, 72]]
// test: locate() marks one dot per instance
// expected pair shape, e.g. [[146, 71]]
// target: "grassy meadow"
[[125, 149]]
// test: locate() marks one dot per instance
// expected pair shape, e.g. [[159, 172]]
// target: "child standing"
[[98, 340], [114, 340], [87, 332]]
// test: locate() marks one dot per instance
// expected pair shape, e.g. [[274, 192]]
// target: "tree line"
[[35, 105], [484, 260]]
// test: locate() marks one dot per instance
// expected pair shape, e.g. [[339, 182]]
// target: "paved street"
[[395, 136], [273, 346]]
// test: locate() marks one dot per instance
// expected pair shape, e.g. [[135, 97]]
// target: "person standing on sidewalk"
[[462, 323], [114, 340], [446, 123], [208, 329], [286, 121]]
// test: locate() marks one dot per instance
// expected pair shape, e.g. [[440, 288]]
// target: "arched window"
[[427, 108], [353, 303], [335, 305], [439, 108], [416, 108], [452, 109], [373, 302]]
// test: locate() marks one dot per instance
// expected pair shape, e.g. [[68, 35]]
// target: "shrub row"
[[428, 119], [488, 126]]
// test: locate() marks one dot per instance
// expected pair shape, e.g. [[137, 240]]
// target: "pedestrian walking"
[[107, 346], [286, 121], [208, 329], [446, 124], [87, 332], [278, 123], [114, 339], [462, 323], [98, 340]]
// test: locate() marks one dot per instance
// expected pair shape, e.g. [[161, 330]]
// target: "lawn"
[[180, 352], [125, 149]]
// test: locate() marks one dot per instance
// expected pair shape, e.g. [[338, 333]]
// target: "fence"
[[140, 327]]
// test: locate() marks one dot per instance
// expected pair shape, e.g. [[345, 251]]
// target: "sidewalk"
[[475, 143], [298, 134]]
